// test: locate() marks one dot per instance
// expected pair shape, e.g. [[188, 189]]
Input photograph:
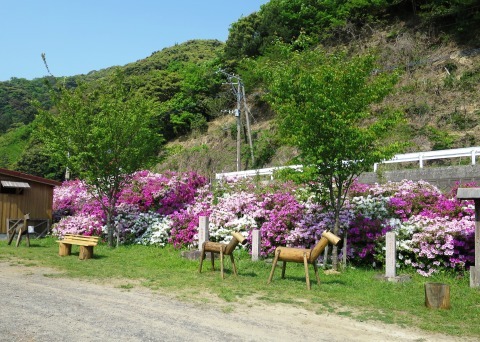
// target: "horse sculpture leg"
[[274, 264], [307, 277], [315, 267]]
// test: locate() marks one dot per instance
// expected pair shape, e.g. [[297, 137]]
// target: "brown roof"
[[29, 177]]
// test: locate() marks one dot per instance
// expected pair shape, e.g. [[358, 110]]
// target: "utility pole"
[[239, 123], [249, 130], [239, 90]]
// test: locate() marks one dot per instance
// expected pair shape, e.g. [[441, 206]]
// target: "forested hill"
[[435, 45]]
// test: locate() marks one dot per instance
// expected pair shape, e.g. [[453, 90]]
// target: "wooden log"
[[236, 239], [332, 238], [292, 254], [213, 246], [64, 249], [86, 252], [319, 248], [437, 296]]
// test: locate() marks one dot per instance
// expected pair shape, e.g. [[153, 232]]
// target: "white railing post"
[[473, 157], [420, 157]]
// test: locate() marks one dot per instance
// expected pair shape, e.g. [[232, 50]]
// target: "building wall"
[[443, 177], [36, 201]]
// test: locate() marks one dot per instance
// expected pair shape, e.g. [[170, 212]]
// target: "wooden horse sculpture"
[[307, 256], [222, 249], [21, 229]]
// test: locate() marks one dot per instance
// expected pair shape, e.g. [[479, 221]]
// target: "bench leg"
[[64, 249], [86, 252], [284, 267]]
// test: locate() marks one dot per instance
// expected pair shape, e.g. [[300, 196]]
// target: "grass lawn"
[[355, 293]]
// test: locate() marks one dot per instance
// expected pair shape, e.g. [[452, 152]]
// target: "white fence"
[[254, 173], [419, 157]]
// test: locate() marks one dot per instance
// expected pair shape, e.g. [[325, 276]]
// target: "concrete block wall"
[[442, 177]]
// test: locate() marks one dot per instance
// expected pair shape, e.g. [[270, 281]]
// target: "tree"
[[103, 133], [325, 107]]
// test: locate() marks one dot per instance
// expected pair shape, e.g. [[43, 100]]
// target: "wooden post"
[[437, 296]]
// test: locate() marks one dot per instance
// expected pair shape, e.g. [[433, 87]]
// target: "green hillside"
[[435, 45]]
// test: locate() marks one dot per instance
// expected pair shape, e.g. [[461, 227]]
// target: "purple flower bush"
[[434, 230]]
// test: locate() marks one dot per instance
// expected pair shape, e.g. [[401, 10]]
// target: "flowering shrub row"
[[434, 230]]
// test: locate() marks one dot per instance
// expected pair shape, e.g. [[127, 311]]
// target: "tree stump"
[[437, 296]]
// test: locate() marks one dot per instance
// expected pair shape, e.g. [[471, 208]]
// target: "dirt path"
[[36, 307]]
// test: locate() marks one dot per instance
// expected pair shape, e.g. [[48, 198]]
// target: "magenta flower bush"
[[184, 223], [69, 199], [163, 193], [78, 224], [154, 195], [434, 230]]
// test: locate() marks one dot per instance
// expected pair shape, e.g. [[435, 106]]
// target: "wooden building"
[[22, 194]]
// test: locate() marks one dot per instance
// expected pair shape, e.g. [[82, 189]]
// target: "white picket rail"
[[419, 157], [252, 173]]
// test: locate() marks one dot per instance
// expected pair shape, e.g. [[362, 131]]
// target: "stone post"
[[203, 234], [473, 194], [391, 256], [256, 243]]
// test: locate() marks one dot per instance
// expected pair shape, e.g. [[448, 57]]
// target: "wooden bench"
[[86, 244]]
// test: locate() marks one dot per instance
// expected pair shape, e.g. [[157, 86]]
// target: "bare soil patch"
[[39, 305]]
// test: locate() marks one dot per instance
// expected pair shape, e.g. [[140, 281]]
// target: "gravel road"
[[38, 307]]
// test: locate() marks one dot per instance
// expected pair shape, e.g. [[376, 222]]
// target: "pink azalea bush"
[[425, 221], [434, 230], [146, 198], [440, 243]]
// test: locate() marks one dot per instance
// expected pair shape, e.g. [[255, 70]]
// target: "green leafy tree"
[[36, 161], [102, 133], [325, 107]]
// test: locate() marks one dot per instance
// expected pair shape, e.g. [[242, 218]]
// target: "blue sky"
[[79, 36]]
